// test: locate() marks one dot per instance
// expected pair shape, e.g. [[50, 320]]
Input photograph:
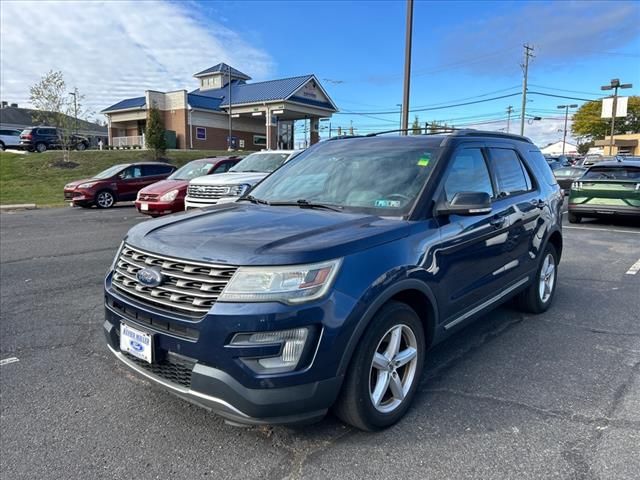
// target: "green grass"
[[31, 178]]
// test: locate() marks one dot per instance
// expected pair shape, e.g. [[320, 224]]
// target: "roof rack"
[[470, 132]]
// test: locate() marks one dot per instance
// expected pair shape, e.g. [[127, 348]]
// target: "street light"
[[566, 116], [614, 85]]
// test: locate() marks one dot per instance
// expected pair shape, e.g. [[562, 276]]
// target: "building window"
[[260, 140], [201, 133]]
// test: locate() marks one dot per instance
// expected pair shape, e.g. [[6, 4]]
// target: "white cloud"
[[541, 132], [115, 50]]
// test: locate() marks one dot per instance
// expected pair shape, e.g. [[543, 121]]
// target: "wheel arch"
[[555, 239], [412, 292]]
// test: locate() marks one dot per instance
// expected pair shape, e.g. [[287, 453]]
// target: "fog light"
[[293, 342]]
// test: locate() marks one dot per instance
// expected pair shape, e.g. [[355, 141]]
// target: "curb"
[[19, 206]]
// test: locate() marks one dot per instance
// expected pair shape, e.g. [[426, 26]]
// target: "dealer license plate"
[[144, 207], [137, 343]]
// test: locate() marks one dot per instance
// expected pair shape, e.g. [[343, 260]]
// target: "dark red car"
[[116, 184], [167, 196]]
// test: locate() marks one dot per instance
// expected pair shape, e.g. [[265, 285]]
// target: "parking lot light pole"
[[566, 117], [614, 85], [404, 125]]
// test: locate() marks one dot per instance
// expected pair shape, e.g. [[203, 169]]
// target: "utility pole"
[[566, 117], [407, 69], [509, 112], [614, 85], [527, 54], [351, 128], [75, 108], [229, 85]]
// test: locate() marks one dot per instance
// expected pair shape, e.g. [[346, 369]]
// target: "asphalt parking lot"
[[511, 396]]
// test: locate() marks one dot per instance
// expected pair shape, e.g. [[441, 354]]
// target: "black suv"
[[41, 139], [325, 285]]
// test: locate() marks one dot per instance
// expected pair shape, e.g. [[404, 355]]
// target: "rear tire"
[[41, 147], [105, 199], [81, 146], [385, 370], [573, 218], [537, 298], [2, 147]]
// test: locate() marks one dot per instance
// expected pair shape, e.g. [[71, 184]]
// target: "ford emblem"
[[136, 346], [150, 277]]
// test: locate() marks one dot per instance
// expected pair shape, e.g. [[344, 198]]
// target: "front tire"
[[105, 199], [385, 370], [537, 298], [41, 147], [81, 147], [2, 146], [573, 218]]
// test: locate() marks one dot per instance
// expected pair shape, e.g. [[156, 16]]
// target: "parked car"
[[167, 196], [325, 286], [9, 138], [567, 175], [557, 161], [115, 184], [607, 189], [208, 190], [41, 139]]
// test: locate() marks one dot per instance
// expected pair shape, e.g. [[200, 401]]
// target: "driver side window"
[[131, 172], [468, 173]]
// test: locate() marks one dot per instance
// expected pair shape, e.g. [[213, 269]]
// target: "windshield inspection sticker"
[[423, 161], [388, 203]]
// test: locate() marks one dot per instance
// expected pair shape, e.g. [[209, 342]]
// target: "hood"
[[75, 183], [230, 178], [164, 186], [247, 234]]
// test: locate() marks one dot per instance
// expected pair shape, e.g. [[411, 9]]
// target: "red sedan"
[[168, 195]]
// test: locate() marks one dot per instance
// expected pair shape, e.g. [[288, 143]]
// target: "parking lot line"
[[602, 230], [635, 268], [9, 360]]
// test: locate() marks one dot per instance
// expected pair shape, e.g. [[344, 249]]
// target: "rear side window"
[[612, 173], [511, 176], [150, 170], [542, 166], [47, 131], [468, 173]]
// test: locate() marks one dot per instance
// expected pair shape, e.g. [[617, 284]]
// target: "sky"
[[462, 52]]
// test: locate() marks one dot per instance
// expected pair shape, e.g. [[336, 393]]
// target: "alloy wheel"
[[105, 200], [547, 278], [393, 368]]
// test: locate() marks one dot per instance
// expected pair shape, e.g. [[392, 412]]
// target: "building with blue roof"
[[226, 110]]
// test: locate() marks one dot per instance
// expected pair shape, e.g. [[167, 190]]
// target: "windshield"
[[260, 162], [110, 172], [191, 170], [612, 173], [377, 176]]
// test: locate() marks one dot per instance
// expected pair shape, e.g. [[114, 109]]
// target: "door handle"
[[497, 222]]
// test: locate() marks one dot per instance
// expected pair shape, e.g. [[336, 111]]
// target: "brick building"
[[262, 113]]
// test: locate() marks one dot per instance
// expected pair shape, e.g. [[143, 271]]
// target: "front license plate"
[[144, 207], [137, 343]]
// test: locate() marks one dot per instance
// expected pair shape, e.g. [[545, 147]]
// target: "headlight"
[[286, 284], [169, 196], [86, 185], [238, 190]]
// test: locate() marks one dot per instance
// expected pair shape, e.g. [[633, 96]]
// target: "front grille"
[[173, 369], [188, 288], [147, 197], [215, 192]]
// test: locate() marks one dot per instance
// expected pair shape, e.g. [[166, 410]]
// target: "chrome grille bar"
[[189, 288], [214, 192]]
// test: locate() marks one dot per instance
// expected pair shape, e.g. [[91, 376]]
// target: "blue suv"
[[324, 286]]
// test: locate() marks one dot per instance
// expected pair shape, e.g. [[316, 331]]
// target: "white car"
[[230, 186], [9, 138]]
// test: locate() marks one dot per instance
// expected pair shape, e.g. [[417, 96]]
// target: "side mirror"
[[466, 203]]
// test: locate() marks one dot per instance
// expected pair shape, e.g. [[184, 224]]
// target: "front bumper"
[[156, 208], [83, 196], [201, 203], [217, 391]]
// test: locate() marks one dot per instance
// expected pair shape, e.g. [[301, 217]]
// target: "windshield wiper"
[[252, 199], [302, 203]]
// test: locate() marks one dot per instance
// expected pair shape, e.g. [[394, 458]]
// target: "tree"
[[55, 107], [415, 127], [154, 133], [583, 148], [587, 124]]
